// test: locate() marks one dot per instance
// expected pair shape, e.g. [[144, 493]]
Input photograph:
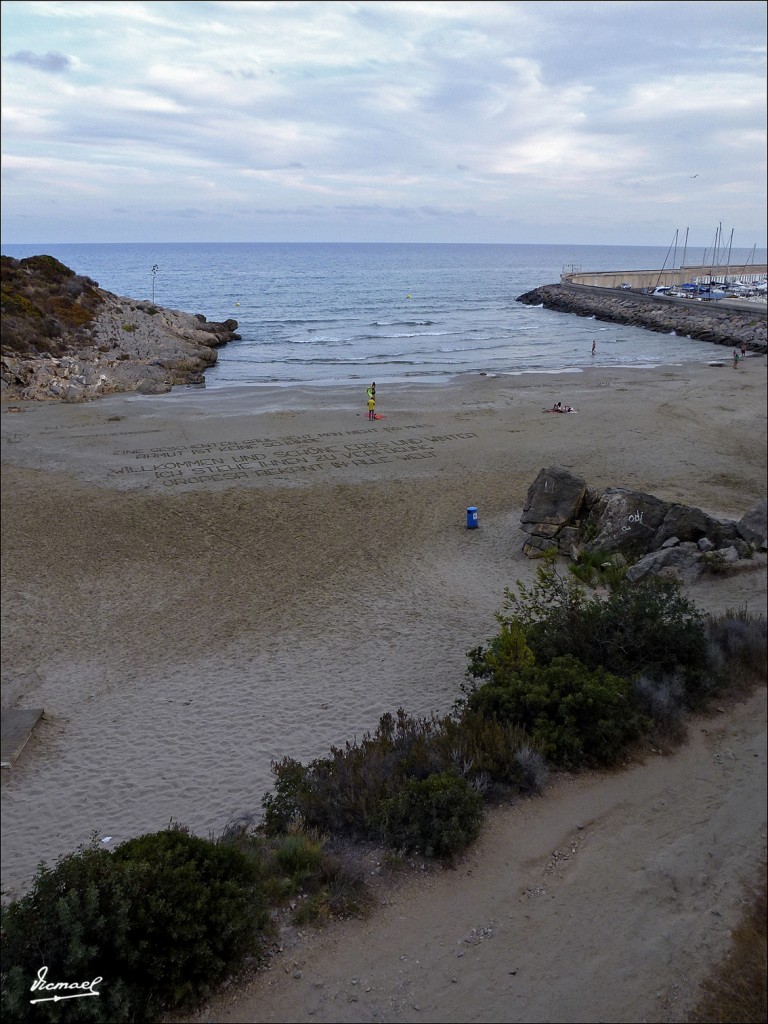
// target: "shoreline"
[[306, 395], [195, 584]]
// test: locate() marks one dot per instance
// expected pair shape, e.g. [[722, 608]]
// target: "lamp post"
[[154, 271]]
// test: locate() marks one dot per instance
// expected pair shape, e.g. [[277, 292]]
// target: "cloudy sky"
[[603, 123]]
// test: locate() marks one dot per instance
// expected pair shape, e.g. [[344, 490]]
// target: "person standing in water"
[[594, 346]]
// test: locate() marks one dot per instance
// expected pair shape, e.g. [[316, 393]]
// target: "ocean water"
[[315, 313]]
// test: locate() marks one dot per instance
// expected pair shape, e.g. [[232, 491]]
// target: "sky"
[[602, 123]]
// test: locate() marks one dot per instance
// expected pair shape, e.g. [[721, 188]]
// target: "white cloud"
[[577, 108]]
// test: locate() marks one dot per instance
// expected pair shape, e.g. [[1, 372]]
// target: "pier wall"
[[705, 321], [655, 278]]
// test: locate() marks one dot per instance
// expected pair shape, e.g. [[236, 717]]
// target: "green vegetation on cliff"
[[44, 306]]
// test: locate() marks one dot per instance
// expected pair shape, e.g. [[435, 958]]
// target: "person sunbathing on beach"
[[557, 407]]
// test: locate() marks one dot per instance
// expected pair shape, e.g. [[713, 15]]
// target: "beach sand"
[[197, 583]]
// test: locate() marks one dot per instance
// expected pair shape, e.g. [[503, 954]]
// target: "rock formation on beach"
[[711, 322], [562, 512], [64, 338]]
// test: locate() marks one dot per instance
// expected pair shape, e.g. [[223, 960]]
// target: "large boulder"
[[753, 526], [624, 520], [688, 523], [683, 562], [681, 541], [554, 500]]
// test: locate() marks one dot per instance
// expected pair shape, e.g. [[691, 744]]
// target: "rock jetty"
[[65, 339], [704, 321]]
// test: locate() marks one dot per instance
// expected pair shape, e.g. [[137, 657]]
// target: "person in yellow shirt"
[[371, 407]]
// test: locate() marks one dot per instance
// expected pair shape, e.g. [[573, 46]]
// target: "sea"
[[337, 313]]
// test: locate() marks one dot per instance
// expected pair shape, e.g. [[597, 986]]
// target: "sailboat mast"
[[685, 251], [673, 242], [728, 262]]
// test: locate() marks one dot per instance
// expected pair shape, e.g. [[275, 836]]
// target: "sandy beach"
[[197, 583]]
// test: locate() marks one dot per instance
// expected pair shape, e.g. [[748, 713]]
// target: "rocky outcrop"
[[562, 512], [703, 321], [554, 501], [66, 339]]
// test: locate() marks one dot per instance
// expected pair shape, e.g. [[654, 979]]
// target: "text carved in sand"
[[279, 456]]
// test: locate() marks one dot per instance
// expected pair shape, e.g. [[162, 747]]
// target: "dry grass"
[[736, 992]]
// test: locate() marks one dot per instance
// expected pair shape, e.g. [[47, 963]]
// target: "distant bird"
[[694, 175]]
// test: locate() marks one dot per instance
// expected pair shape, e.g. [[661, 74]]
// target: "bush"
[[300, 855], [736, 648], [494, 757], [342, 793], [74, 921], [437, 816], [367, 791], [647, 627], [196, 912], [574, 715], [161, 919], [663, 701], [599, 568]]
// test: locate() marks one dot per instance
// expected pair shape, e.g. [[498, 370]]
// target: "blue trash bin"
[[472, 518]]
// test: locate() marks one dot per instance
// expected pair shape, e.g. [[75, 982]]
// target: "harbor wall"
[[729, 325], [748, 273]]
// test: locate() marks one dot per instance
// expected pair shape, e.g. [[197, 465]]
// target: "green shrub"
[[283, 806], [645, 627], [300, 855], [574, 715], [366, 791], [16, 304], [599, 568], [196, 912], [494, 757], [341, 793], [325, 884], [437, 816], [298, 868], [162, 919], [47, 267], [507, 653], [74, 921]]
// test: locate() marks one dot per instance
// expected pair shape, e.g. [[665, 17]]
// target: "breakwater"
[[704, 321]]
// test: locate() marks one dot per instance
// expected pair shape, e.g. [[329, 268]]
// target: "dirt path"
[[605, 900]]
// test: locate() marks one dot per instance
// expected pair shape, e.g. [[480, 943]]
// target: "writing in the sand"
[[283, 456]]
